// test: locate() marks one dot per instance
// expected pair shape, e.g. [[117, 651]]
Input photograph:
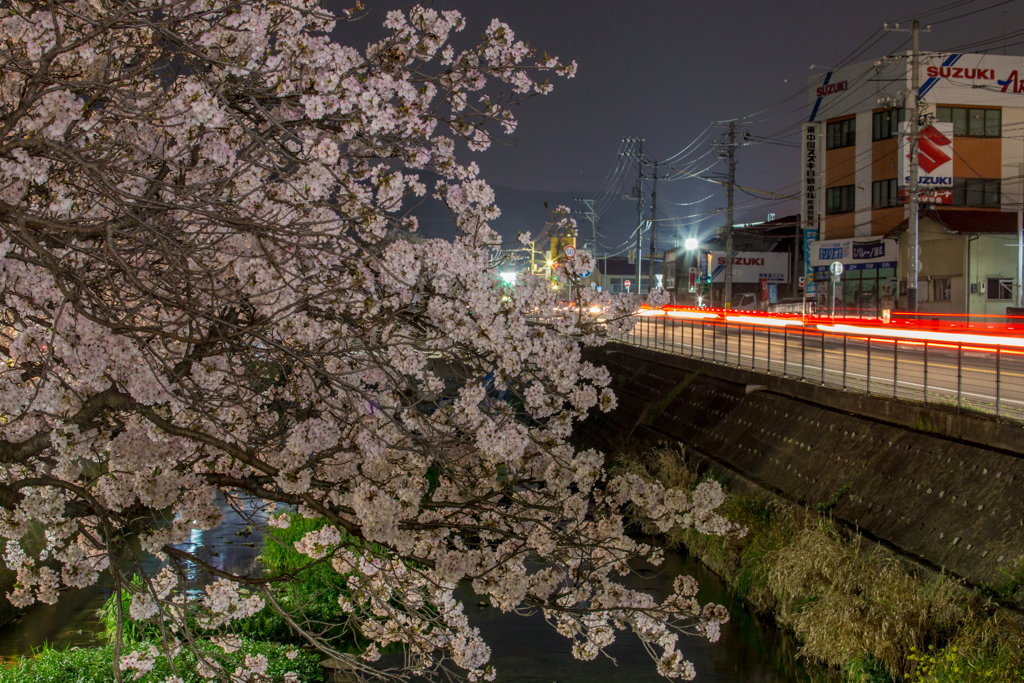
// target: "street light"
[[691, 243]]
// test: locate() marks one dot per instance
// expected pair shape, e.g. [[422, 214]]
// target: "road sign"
[[836, 268], [628, 283], [570, 250]]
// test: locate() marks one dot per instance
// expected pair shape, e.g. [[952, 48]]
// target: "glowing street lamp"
[[691, 243]]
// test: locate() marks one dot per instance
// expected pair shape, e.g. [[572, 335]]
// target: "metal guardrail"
[[956, 370]]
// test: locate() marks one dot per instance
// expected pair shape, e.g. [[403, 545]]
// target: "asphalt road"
[[972, 377]]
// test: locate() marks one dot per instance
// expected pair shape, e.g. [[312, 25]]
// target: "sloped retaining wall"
[[943, 500]]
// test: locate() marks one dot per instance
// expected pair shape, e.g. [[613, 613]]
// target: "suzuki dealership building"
[[855, 169]]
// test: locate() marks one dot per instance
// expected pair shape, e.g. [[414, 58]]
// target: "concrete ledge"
[[969, 427], [937, 486]]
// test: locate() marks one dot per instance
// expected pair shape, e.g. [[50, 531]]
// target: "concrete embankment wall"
[[943, 488]]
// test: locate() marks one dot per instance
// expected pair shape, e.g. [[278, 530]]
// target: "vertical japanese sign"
[[810, 195]]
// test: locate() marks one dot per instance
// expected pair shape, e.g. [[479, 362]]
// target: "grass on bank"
[[859, 610], [315, 592], [93, 665]]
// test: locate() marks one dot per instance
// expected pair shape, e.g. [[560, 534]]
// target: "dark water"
[[524, 649], [232, 546], [528, 650]]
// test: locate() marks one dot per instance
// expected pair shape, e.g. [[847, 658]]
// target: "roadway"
[[974, 376]]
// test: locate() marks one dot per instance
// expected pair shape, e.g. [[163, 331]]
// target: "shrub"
[[94, 665]]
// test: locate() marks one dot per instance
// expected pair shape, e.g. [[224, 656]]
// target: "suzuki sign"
[[934, 162], [751, 266]]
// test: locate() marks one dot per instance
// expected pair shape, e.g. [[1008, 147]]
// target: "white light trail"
[[752, 320], [924, 335]]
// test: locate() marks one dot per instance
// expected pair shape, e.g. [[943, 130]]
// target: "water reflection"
[[73, 621], [528, 650], [524, 649]]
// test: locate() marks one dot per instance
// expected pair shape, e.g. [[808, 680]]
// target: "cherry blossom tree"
[[212, 290]]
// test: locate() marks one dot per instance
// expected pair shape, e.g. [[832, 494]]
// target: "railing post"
[[959, 375], [895, 356], [803, 352], [926, 372], [769, 350], [845, 340], [997, 381], [869, 366], [753, 348], [727, 342], [703, 329], [823, 358], [714, 341], [785, 352]]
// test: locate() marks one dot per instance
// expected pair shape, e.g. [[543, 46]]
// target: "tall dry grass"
[[859, 610], [846, 603]]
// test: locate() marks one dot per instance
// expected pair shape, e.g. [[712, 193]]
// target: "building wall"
[[840, 169], [942, 257], [1013, 155], [864, 161], [990, 257], [977, 157]]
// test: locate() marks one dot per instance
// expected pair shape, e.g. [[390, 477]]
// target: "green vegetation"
[[313, 594], [858, 610], [93, 665]]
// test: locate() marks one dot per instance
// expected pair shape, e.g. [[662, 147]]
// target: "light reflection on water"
[[73, 622], [524, 649]]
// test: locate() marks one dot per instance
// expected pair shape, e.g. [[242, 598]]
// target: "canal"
[[524, 649]]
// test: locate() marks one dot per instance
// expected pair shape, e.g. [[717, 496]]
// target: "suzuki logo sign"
[[930, 155], [934, 158]]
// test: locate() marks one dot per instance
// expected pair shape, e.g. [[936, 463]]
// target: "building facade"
[[855, 162]]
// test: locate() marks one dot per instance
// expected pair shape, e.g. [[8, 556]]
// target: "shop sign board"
[[854, 254], [934, 162], [751, 266], [810, 192]]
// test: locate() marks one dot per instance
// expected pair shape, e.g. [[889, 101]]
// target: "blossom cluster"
[[211, 291]]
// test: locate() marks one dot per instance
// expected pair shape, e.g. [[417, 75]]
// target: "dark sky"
[[666, 69]]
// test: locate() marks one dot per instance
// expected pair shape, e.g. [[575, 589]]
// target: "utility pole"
[[592, 217], [913, 105], [654, 230], [730, 154], [915, 130], [638, 155]]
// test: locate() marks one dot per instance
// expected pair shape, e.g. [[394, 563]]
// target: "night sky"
[[666, 70]]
